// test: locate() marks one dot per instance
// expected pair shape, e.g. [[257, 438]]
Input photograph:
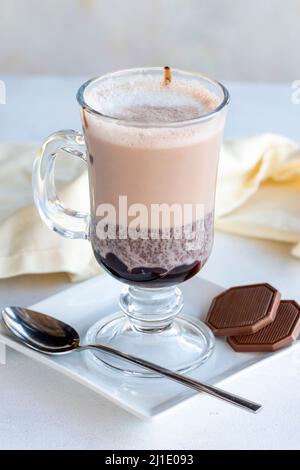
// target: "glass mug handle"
[[67, 222]]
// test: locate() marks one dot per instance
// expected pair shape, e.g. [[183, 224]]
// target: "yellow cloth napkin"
[[258, 195], [258, 191], [26, 244]]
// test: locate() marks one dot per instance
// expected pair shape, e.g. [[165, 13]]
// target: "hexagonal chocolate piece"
[[280, 333], [243, 310]]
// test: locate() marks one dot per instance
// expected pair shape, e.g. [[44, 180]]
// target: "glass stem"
[[151, 310]]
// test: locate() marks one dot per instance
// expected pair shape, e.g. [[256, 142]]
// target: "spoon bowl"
[[40, 331]]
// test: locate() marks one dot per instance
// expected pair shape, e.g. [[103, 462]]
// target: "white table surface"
[[40, 409]]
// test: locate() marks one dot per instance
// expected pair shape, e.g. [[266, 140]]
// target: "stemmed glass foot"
[[149, 327]]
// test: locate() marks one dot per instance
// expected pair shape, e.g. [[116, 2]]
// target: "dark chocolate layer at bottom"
[[148, 277], [155, 262]]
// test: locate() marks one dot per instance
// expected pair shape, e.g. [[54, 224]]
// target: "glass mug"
[[162, 170]]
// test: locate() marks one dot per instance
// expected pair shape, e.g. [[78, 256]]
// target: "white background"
[[227, 39]]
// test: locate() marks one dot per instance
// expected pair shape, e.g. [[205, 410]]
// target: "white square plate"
[[85, 303]]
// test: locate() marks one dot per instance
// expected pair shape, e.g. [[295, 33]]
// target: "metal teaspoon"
[[51, 336]]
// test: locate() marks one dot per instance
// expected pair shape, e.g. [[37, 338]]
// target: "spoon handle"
[[183, 379]]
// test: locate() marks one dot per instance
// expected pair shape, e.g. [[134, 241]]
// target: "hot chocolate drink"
[[151, 143], [157, 148]]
